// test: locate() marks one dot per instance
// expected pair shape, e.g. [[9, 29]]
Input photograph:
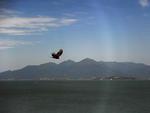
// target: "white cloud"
[[144, 3], [8, 12], [67, 21], [3, 48], [18, 25], [6, 44], [12, 31], [28, 25]]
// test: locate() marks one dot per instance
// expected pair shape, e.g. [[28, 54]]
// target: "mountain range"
[[84, 69]]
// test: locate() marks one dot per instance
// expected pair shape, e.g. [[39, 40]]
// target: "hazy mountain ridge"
[[85, 69]]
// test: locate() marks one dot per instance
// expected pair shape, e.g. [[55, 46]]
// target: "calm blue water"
[[75, 97]]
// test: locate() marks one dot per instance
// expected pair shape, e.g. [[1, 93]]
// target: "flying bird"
[[58, 54]]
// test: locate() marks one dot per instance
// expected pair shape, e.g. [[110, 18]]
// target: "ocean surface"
[[75, 97]]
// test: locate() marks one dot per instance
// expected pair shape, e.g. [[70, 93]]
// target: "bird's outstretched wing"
[[59, 53]]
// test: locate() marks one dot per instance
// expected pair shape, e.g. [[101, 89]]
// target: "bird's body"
[[57, 55]]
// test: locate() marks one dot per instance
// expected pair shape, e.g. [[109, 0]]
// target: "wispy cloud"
[[68, 21], [17, 25], [4, 11], [6, 44], [144, 3]]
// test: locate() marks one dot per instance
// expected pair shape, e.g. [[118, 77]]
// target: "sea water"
[[75, 97]]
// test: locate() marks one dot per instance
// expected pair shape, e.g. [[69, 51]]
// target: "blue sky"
[[112, 30]]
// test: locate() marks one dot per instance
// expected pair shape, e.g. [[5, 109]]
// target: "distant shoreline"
[[70, 80]]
